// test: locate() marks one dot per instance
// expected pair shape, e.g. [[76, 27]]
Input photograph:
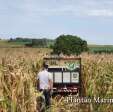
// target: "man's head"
[[45, 65]]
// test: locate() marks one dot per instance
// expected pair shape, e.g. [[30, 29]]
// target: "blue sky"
[[92, 20]]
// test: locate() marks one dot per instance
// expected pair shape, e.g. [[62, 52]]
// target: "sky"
[[92, 20]]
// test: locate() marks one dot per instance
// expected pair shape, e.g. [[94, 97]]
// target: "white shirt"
[[44, 77]]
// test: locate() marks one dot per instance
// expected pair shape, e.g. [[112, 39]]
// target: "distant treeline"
[[101, 49], [63, 43], [28, 42]]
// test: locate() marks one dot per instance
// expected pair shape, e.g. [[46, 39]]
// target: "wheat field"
[[18, 70]]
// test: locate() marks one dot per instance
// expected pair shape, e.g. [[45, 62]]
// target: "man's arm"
[[51, 84], [50, 81]]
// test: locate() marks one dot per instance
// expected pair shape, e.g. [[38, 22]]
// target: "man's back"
[[44, 77]]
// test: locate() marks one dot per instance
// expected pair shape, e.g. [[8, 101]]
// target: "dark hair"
[[45, 65]]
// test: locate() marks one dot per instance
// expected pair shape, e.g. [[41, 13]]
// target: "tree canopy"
[[69, 44]]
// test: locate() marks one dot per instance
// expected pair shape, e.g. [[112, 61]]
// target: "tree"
[[69, 44]]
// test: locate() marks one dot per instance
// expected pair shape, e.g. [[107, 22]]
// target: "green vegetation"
[[27, 42], [68, 44], [100, 48], [6, 44], [49, 43]]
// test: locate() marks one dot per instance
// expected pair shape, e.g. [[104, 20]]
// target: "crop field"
[[18, 71], [6, 44], [100, 48]]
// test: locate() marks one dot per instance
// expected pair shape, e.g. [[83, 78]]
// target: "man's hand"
[[50, 84]]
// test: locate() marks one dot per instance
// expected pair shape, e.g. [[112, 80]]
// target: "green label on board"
[[71, 66]]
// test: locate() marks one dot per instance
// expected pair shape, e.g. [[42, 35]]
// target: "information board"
[[58, 77], [75, 77]]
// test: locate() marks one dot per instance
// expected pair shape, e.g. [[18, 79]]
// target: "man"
[[45, 83]]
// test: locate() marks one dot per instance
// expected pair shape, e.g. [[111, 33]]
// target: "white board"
[[75, 77], [58, 77], [66, 77]]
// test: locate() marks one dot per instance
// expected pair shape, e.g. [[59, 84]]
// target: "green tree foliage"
[[69, 44], [39, 42], [31, 42]]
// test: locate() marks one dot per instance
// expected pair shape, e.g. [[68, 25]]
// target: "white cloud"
[[72, 7], [61, 7], [101, 12]]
